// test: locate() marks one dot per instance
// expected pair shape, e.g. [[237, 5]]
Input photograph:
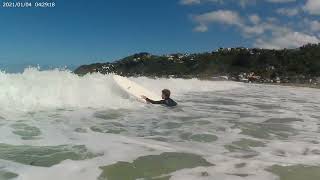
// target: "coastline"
[[298, 67], [300, 85]]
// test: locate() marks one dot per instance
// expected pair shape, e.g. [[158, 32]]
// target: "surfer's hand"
[[143, 97]]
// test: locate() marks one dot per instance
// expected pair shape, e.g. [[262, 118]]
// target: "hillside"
[[300, 65]]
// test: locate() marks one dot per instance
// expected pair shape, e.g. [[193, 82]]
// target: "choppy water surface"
[[56, 125]]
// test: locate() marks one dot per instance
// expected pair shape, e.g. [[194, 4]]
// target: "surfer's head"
[[166, 94]]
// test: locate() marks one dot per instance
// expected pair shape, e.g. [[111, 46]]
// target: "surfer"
[[166, 100]]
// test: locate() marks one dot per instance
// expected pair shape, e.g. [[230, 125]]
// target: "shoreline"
[[301, 85], [311, 86]]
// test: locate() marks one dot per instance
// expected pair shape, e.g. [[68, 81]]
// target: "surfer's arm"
[[154, 102]]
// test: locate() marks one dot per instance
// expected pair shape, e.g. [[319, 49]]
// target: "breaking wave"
[[34, 90]]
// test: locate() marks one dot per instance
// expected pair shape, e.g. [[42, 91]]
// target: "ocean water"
[[57, 125]]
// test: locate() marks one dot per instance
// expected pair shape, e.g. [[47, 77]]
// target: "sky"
[[87, 31]]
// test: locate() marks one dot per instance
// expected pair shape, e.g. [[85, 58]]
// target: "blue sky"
[[87, 31]]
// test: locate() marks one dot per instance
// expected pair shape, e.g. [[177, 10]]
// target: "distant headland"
[[299, 66]]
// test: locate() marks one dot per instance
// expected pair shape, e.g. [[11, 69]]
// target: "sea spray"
[[36, 90]]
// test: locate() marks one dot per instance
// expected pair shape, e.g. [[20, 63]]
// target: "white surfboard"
[[134, 89]]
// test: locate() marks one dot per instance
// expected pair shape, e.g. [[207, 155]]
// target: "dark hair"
[[166, 93]]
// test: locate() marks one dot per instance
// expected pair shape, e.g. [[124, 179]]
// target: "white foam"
[[35, 90], [220, 103], [181, 86]]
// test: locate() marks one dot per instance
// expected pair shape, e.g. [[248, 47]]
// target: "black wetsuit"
[[168, 102]]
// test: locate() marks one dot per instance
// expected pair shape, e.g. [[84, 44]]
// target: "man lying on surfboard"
[[166, 100]]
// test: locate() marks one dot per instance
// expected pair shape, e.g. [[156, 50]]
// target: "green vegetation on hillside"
[[300, 65]]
